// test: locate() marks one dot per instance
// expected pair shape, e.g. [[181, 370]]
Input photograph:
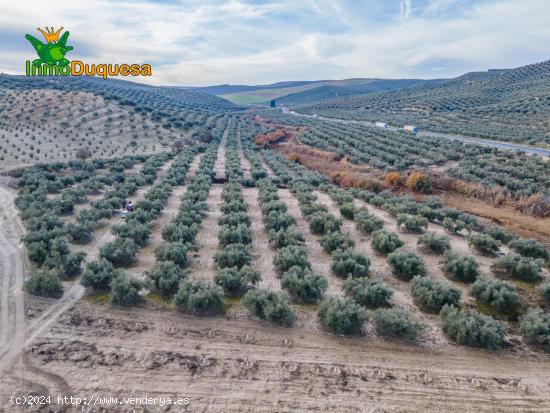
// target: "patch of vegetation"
[[469, 327], [406, 265], [270, 306], [397, 323], [367, 292], [342, 316], [462, 268], [499, 295], [432, 295], [199, 298]]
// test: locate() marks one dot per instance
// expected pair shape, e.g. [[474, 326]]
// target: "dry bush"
[[294, 157], [393, 179], [349, 179], [271, 137], [419, 182], [537, 205]]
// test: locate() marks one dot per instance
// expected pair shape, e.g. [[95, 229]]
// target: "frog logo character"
[[53, 52]]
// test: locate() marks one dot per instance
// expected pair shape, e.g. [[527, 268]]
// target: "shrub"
[[500, 295], [367, 222], [535, 326], [311, 208], [276, 220], [234, 219], [530, 248], [99, 274], [397, 323], [175, 252], [199, 298], [270, 306], [416, 224], [348, 210], [303, 285], [139, 233], [235, 281], [347, 263], [544, 290], [516, 266], [286, 237], [406, 265], [179, 233], [435, 242], [469, 327], [484, 243], [432, 295], [234, 255], [336, 240], [166, 277], [430, 214], [463, 268], [120, 252], [453, 226], [239, 234], [125, 291], [80, 233], [288, 257], [342, 316], [393, 178], [499, 234], [37, 253], [72, 264], [385, 242], [44, 283], [419, 182], [233, 206], [321, 223], [367, 292]]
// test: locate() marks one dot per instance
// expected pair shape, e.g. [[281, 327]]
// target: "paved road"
[[466, 139]]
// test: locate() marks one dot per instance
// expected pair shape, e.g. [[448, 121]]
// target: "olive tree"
[[469, 327], [303, 285], [406, 265], [199, 298], [367, 292], [432, 295], [342, 316], [269, 305], [499, 295], [397, 323]]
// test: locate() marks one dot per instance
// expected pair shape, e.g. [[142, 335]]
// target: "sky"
[[199, 43]]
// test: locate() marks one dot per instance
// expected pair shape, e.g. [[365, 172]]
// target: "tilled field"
[[235, 364]]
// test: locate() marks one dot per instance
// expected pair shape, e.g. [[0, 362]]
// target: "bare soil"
[[234, 365]]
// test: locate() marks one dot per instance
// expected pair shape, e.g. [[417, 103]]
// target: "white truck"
[[381, 125], [411, 129]]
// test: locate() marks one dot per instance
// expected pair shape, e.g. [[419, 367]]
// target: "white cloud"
[[238, 41], [405, 7]]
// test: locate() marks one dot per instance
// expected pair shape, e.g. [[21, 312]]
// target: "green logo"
[[53, 52]]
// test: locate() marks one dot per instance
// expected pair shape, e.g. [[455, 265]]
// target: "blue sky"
[[254, 42]]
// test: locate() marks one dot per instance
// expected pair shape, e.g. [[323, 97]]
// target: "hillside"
[[337, 91], [46, 120], [299, 92], [511, 105]]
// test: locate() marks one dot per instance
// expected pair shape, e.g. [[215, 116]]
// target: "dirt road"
[[12, 275]]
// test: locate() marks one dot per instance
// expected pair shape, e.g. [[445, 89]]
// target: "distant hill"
[[229, 89], [296, 92], [507, 104], [335, 91]]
